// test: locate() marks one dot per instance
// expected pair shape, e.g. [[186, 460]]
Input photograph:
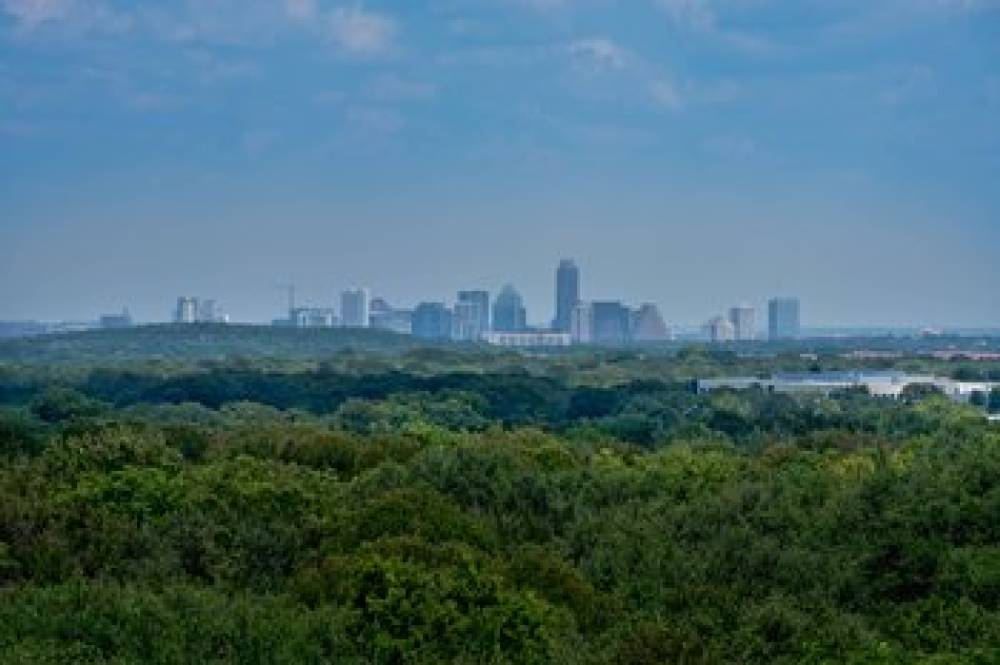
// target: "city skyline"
[[756, 315], [691, 153]]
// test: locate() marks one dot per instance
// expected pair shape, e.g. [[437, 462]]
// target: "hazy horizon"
[[696, 154]]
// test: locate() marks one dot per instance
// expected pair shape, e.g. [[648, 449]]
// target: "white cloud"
[[369, 121], [699, 16], [665, 94], [301, 10], [78, 16], [361, 33], [694, 14], [598, 53], [31, 13]]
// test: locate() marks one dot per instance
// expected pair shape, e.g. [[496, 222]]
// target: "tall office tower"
[[431, 320], [481, 299], [509, 314], [648, 325], [384, 316], [783, 318], [720, 329], [567, 294], [581, 325], [355, 308], [207, 311], [744, 320], [467, 321], [187, 310], [611, 322]]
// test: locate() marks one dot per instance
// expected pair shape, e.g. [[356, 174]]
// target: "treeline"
[[645, 413], [264, 537]]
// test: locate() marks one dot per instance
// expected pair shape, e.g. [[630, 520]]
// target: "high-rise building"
[[783, 320], [720, 329], [355, 308], [209, 311], [467, 321], [648, 325], [187, 310], [582, 323], [744, 320], [611, 322], [481, 300], [384, 316], [509, 314], [431, 320], [567, 294]]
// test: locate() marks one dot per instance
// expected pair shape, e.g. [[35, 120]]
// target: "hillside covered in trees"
[[373, 501]]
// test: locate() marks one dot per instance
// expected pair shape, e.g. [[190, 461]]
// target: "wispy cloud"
[[79, 16], [360, 32], [302, 10], [664, 94], [700, 17], [598, 53], [31, 13]]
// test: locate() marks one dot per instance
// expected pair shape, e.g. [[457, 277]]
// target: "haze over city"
[[689, 153]]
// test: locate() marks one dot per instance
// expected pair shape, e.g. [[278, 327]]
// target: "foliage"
[[464, 510]]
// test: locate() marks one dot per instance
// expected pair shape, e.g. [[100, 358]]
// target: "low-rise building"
[[528, 339]]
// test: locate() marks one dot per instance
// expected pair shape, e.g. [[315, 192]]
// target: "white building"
[[582, 323], [314, 317], [355, 309], [535, 340], [888, 384], [187, 310]]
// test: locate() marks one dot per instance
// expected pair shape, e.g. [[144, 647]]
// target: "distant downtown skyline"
[[692, 153]]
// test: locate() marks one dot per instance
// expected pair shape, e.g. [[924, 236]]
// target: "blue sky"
[[692, 153]]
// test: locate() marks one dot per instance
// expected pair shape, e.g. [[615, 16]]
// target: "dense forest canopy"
[[247, 496]]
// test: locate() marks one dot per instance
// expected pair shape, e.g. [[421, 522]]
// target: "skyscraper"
[[648, 325], [384, 316], [783, 318], [431, 320], [720, 329], [509, 314], [187, 310], [481, 300], [611, 322], [355, 308], [209, 311], [567, 294], [744, 320]]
